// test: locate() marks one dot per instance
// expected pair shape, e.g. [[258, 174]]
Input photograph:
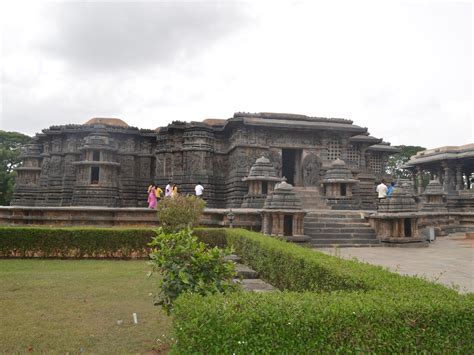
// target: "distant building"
[[104, 162]]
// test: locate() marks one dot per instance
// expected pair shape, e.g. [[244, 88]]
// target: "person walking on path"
[[381, 190], [151, 197], [199, 190]]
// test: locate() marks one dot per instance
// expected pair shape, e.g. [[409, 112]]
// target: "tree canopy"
[[396, 161], [10, 144]]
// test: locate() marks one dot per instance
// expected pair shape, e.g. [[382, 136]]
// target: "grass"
[[60, 306]]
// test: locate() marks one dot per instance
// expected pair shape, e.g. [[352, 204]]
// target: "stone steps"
[[339, 229], [248, 278], [347, 245], [334, 224], [340, 241], [350, 228], [244, 272], [311, 198], [339, 236]]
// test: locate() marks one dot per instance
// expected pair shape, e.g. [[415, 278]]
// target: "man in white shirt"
[[168, 189], [199, 189], [382, 190]]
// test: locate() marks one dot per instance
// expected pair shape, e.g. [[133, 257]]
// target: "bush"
[[351, 307], [74, 242], [293, 268], [187, 265], [309, 323], [179, 212]]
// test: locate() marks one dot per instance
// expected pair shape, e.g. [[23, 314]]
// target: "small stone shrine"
[[338, 182], [396, 221], [261, 179], [434, 197], [283, 214]]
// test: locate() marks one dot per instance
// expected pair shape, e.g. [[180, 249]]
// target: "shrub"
[[187, 265], [309, 323], [293, 268], [74, 242], [180, 212], [350, 307]]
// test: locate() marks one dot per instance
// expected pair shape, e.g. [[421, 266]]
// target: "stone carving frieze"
[[311, 170], [56, 165]]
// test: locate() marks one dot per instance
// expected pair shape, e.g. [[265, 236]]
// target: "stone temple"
[[104, 162], [307, 179]]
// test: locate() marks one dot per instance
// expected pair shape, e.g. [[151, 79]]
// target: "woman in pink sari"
[[151, 197]]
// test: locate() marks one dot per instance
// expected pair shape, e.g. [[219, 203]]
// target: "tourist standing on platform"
[[199, 190], [151, 197], [168, 189], [382, 190], [390, 189], [174, 191], [158, 193]]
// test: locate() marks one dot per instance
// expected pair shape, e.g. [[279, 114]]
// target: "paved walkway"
[[449, 260]]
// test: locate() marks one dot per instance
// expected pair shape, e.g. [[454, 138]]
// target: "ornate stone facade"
[[104, 162]]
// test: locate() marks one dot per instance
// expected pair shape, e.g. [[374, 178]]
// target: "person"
[[168, 189], [390, 189], [174, 191], [151, 197], [158, 193], [199, 189], [381, 190]]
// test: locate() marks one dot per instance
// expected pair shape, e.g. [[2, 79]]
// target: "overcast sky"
[[402, 69]]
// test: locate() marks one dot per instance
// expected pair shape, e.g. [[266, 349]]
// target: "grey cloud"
[[109, 36]]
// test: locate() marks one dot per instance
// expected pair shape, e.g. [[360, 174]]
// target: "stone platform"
[[117, 217]]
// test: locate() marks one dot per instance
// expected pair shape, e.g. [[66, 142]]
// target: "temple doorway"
[[291, 166]]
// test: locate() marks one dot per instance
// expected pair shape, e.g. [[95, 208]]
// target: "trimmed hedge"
[[314, 323], [74, 242], [293, 268], [352, 307]]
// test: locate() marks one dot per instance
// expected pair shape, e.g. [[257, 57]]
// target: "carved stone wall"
[[106, 163]]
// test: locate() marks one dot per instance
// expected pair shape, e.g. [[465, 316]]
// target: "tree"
[[396, 161], [10, 144]]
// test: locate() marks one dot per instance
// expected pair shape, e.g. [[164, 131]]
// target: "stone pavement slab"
[[448, 260]]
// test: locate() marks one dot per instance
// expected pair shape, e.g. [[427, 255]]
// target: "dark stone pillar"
[[419, 180], [459, 182]]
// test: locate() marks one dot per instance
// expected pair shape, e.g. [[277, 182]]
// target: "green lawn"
[[73, 306]]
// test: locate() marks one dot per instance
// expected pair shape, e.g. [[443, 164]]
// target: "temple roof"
[[442, 153], [339, 173], [400, 201], [262, 170], [365, 138], [215, 122], [117, 122], [283, 197], [434, 188], [384, 147], [285, 120]]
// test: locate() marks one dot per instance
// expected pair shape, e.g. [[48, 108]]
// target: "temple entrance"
[[407, 227], [288, 226], [291, 166]]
